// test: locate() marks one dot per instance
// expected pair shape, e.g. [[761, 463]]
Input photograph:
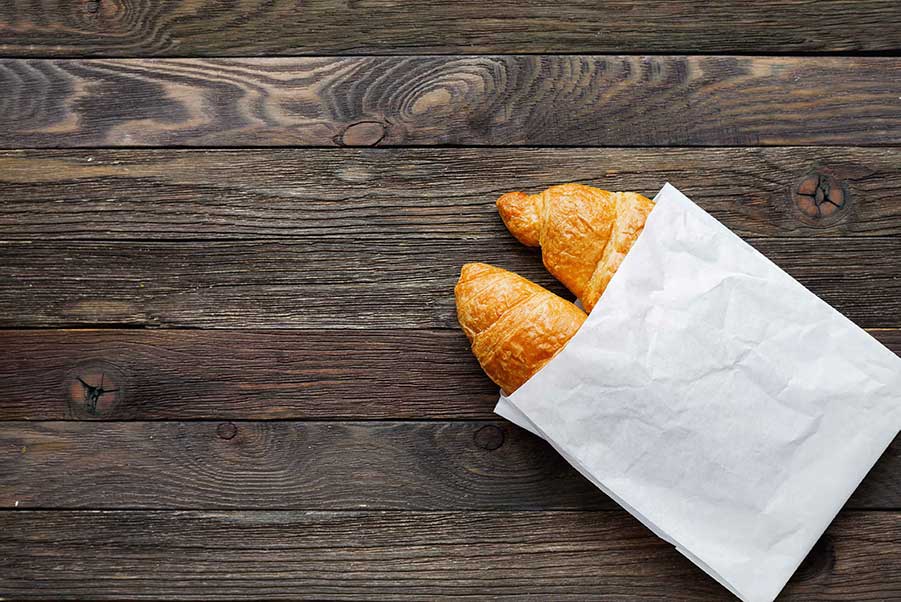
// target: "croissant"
[[514, 325], [584, 232]]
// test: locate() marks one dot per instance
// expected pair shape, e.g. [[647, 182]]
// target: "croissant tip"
[[519, 212], [471, 270], [471, 266], [508, 200]]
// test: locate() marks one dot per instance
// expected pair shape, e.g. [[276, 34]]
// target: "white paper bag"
[[716, 399]]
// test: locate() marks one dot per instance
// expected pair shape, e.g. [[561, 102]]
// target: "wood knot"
[[363, 133], [94, 389], [226, 430], [820, 196], [489, 437], [820, 560], [103, 12]]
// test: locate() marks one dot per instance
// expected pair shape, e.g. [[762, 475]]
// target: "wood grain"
[[241, 374], [403, 556], [251, 375], [376, 194], [291, 465], [335, 283], [311, 466], [428, 100], [256, 27]]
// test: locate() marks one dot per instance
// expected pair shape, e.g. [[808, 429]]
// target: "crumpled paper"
[[716, 399]]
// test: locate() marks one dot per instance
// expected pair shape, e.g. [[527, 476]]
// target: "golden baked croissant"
[[514, 325], [584, 232]]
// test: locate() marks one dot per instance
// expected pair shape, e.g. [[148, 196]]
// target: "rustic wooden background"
[[288, 409]]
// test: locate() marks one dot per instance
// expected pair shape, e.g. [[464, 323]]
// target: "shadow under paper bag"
[[716, 399]]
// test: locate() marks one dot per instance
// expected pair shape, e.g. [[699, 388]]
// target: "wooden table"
[[288, 409]]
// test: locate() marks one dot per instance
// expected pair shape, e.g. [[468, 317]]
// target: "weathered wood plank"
[[311, 466], [336, 283], [250, 375], [241, 374], [291, 465], [257, 27], [415, 193], [403, 556], [428, 100]]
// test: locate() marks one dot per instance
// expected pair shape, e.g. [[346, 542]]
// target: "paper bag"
[[716, 399]]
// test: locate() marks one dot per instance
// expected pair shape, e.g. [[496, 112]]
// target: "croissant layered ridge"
[[584, 232], [514, 325]]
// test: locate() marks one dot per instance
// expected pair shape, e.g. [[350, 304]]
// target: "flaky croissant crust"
[[515, 326], [584, 232]]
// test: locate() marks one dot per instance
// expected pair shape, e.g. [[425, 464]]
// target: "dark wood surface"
[[187, 374], [350, 283], [256, 27], [375, 195], [289, 408], [439, 100], [404, 555], [381, 465]]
